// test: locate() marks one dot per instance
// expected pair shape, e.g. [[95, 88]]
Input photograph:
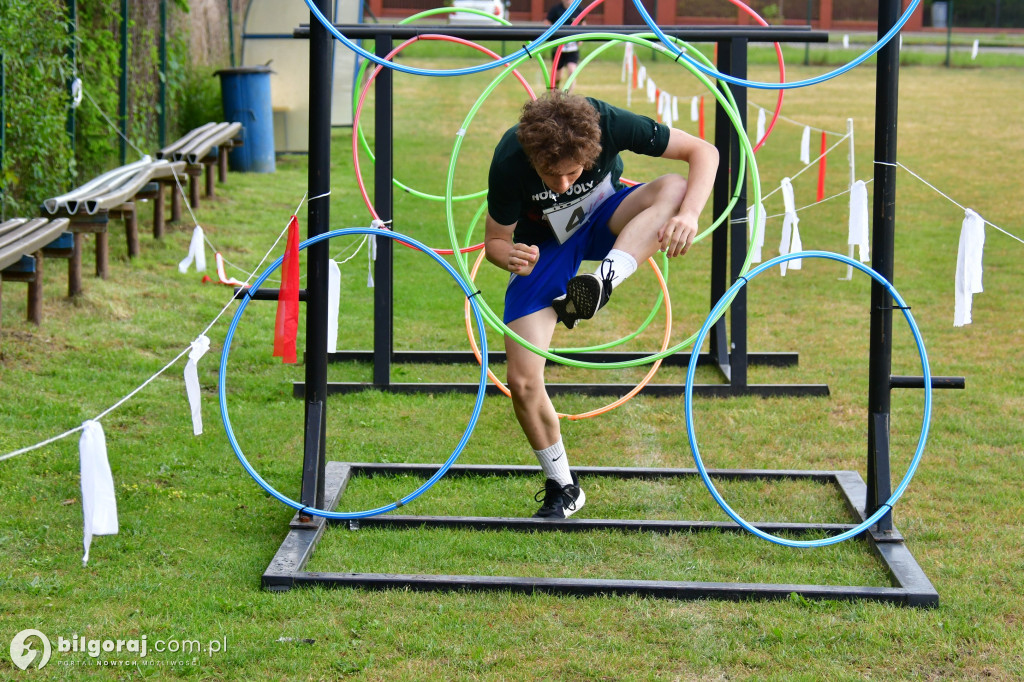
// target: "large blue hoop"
[[925, 421], [478, 405]]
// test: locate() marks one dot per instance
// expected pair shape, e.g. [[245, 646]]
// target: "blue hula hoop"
[[900, 23], [526, 49], [478, 405], [645, 15], [925, 421]]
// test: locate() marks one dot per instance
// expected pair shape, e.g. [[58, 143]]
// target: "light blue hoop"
[[222, 389], [925, 421], [645, 15], [525, 50]]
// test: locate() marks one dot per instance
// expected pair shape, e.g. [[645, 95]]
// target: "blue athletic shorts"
[[558, 263]]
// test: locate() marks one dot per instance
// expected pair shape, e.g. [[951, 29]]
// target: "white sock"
[[622, 264], [555, 463]]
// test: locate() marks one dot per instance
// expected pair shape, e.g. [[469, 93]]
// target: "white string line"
[[789, 120], [165, 367], [808, 166], [946, 196], [110, 123]]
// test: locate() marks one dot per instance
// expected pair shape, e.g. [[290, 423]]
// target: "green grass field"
[[196, 532]]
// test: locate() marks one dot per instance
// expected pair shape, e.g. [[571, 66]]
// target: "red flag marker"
[[287, 325], [821, 168]]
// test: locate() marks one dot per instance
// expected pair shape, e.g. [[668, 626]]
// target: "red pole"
[[821, 168]]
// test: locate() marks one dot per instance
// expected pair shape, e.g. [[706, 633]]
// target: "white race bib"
[[565, 218]]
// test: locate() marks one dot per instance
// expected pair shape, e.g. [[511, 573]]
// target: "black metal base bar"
[[442, 357], [657, 390], [911, 586], [571, 525]]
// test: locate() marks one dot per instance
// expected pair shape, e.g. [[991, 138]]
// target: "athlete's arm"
[[677, 234], [501, 249]]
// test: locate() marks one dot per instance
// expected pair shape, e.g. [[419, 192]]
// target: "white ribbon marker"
[[805, 146], [641, 76], [99, 506], [195, 253], [695, 108], [675, 108], [760, 124], [371, 251], [756, 232], [199, 348], [652, 90], [974, 51], [859, 219], [333, 298], [968, 266], [790, 229]]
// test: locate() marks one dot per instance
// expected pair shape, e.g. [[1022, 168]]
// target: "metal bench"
[[23, 243], [90, 207], [200, 149]]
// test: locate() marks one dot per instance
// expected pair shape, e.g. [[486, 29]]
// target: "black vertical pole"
[[383, 198], [738, 230], [163, 74], [122, 108], [3, 140], [71, 52], [317, 256], [724, 136], [231, 30], [882, 260]]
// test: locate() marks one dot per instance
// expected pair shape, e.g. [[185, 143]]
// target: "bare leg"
[[533, 408], [639, 217]]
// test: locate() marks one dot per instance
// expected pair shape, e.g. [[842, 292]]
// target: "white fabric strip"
[[333, 300], [695, 108], [968, 267], [859, 219], [99, 506], [199, 348], [805, 146], [760, 124], [195, 253], [675, 108], [790, 228], [222, 276], [756, 232]]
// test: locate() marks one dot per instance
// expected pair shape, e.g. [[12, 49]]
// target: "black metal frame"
[[910, 585], [323, 483], [732, 359]]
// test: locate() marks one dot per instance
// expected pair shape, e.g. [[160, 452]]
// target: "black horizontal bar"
[[425, 470], [789, 34], [680, 359], [522, 524], [657, 390], [595, 586], [267, 294], [918, 382]]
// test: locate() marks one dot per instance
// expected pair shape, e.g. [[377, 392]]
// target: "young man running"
[[554, 200]]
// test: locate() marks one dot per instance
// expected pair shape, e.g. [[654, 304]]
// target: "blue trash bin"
[[245, 94]]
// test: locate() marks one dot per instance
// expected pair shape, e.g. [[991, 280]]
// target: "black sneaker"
[[584, 296], [560, 502]]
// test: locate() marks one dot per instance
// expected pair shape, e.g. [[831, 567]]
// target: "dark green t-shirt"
[[516, 194]]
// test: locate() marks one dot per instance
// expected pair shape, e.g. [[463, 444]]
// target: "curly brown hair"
[[558, 127]]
